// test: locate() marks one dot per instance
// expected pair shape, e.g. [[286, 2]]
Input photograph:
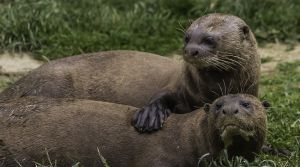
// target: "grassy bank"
[[283, 91], [58, 28]]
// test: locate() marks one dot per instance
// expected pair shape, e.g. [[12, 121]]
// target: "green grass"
[[59, 28], [5, 81], [282, 90], [266, 59]]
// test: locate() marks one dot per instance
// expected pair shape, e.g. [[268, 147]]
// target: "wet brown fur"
[[133, 78], [70, 130], [125, 77]]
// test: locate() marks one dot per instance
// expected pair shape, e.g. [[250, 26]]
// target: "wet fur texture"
[[157, 85], [133, 78], [70, 130], [220, 56], [124, 77]]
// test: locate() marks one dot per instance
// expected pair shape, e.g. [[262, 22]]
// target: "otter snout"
[[204, 46], [230, 110], [236, 108], [192, 50]]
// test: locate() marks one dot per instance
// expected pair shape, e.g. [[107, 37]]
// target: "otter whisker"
[[233, 61], [214, 62], [216, 65], [230, 86], [181, 26], [224, 87], [220, 63], [236, 58], [221, 58], [225, 53], [225, 64], [181, 30], [215, 93], [221, 89], [243, 84], [253, 83]]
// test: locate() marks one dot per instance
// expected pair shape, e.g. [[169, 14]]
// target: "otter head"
[[238, 123], [219, 41]]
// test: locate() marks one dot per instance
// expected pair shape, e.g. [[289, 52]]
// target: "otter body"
[[71, 130], [124, 77], [220, 57]]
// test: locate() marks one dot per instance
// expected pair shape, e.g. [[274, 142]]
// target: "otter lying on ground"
[[70, 130], [220, 58]]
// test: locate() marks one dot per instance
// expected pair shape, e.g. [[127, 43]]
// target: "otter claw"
[[151, 117]]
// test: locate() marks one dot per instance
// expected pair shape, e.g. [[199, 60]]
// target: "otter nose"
[[194, 53], [191, 51], [230, 110]]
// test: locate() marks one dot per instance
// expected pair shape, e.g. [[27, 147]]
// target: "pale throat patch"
[[231, 131]]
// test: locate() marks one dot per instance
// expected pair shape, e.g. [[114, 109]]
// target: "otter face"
[[239, 122], [218, 41]]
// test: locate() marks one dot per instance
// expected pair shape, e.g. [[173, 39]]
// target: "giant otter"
[[220, 57], [70, 130]]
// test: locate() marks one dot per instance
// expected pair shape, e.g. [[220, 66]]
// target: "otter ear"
[[206, 107], [266, 104], [245, 31]]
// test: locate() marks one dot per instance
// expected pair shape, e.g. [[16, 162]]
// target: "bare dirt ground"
[[12, 66], [272, 54], [17, 64]]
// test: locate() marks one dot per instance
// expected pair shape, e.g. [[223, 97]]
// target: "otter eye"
[[218, 106], [186, 39], [209, 41], [245, 104]]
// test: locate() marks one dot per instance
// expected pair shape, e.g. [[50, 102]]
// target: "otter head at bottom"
[[237, 123]]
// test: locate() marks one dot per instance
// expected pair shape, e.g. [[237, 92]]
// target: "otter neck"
[[191, 129], [204, 83]]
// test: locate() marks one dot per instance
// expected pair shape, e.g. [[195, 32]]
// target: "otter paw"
[[150, 117]]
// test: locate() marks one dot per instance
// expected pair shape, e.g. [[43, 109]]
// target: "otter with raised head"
[[71, 130], [220, 57]]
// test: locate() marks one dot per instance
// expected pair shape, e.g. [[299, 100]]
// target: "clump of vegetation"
[[59, 28]]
